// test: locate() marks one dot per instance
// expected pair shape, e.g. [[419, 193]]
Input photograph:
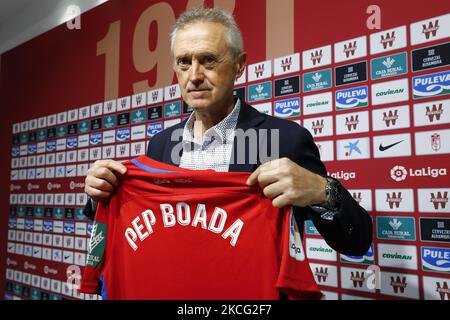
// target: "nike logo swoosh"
[[381, 148]]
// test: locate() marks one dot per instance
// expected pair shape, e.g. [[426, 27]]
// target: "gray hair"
[[222, 17]]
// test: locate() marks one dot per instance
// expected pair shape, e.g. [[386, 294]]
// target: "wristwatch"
[[333, 191]]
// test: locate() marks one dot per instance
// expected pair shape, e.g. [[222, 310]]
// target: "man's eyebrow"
[[198, 54]]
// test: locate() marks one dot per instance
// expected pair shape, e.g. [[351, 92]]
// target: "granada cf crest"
[[436, 141]]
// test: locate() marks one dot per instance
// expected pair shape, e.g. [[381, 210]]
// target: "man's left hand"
[[287, 183]]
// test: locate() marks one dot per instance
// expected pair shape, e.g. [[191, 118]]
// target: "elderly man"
[[208, 57]]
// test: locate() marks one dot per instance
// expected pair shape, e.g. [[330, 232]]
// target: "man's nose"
[[196, 73]]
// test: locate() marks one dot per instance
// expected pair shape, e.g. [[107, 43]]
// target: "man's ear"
[[240, 64]]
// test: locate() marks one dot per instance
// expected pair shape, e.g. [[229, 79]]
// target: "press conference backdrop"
[[376, 101]]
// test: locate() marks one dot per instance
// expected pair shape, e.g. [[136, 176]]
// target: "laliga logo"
[[11, 262], [398, 173], [74, 185], [48, 270], [28, 265], [51, 186], [32, 186], [15, 187]]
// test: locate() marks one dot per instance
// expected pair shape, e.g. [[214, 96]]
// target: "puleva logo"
[[368, 258], [436, 259], [430, 85], [123, 134], [154, 128], [69, 227], [51, 145], [287, 108], [32, 148], [15, 151], [352, 98], [96, 138], [72, 143]]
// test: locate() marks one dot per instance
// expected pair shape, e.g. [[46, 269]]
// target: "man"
[[208, 57]]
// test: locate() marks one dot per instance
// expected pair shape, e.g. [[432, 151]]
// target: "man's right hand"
[[101, 178]]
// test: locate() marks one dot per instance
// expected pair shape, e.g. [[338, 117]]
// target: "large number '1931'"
[[279, 20]]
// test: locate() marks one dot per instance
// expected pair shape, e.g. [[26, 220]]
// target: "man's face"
[[205, 66]]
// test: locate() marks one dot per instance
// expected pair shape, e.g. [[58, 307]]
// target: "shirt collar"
[[223, 131]]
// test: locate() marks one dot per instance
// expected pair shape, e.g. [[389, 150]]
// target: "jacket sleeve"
[[350, 232]]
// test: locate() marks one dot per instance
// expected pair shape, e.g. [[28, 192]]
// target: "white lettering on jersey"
[[139, 232]]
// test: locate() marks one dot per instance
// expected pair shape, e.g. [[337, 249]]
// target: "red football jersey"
[[171, 233]]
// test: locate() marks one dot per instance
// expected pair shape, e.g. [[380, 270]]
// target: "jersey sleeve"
[[295, 278], [95, 262]]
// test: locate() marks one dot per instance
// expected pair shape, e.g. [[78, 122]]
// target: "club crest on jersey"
[[180, 214]]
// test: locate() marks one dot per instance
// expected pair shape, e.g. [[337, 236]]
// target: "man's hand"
[[287, 183], [101, 179]]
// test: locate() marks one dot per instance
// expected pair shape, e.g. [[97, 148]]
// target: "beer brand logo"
[[394, 200], [443, 290], [352, 122], [321, 274], [431, 29], [155, 95], [439, 199], [390, 117], [318, 126], [357, 197], [434, 112], [388, 40], [316, 56], [259, 70], [286, 64], [349, 49], [172, 91], [399, 284], [137, 148], [357, 278]]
